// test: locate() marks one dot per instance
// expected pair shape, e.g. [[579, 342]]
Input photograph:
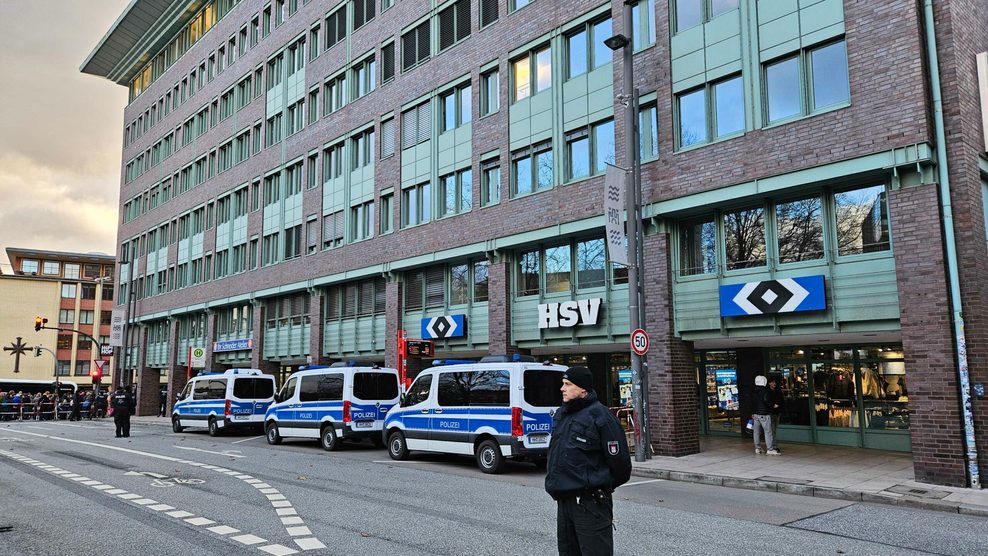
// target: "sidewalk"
[[813, 470]]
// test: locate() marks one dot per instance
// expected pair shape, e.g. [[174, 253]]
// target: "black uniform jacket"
[[588, 450], [123, 403]]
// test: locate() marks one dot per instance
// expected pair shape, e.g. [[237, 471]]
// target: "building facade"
[[73, 291], [304, 180]]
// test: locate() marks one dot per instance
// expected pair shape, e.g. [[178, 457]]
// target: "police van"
[[341, 401], [237, 398], [494, 409]]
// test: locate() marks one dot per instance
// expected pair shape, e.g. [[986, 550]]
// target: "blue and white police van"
[[495, 409], [341, 401], [237, 398]]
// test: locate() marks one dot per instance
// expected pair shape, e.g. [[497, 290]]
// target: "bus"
[[9, 410]]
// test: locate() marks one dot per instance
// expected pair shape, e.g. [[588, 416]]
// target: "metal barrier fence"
[[29, 411]]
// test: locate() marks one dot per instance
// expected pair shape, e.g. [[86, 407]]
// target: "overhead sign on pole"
[[117, 321], [614, 190], [197, 358]]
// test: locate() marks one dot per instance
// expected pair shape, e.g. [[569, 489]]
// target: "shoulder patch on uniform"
[[613, 448]]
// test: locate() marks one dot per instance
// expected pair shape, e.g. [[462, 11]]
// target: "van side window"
[[419, 391], [321, 388], [287, 390], [474, 388], [251, 388], [375, 386], [454, 388], [542, 388], [217, 389], [185, 391]]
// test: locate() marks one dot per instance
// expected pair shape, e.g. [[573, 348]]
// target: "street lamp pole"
[[636, 296]]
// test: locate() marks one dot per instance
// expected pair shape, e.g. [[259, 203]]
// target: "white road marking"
[[246, 439], [187, 517], [406, 461], [282, 507], [642, 482], [224, 453], [299, 531]]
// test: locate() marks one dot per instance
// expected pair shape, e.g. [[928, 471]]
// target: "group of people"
[[41, 406], [766, 412]]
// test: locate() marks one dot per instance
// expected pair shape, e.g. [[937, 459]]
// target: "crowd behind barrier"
[[18, 406]]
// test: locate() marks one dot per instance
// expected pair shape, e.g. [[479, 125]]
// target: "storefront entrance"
[[611, 374], [848, 395]]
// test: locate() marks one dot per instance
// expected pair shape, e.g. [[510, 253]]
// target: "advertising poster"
[[727, 389]]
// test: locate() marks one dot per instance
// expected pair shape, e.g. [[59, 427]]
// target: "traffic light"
[[39, 323], [96, 374]]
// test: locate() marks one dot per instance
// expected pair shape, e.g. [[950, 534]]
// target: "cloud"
[[60, 145]]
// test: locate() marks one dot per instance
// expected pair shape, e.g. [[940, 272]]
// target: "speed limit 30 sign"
[[639, 342]]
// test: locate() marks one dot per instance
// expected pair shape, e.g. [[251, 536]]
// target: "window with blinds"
[[454, 24], [415, 46], [488, 12], [332, 230], [336, 26], [387, 62], [363, 11], [387, 137], [416, 125]]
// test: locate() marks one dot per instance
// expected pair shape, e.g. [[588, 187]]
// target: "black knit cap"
[[579, 376]]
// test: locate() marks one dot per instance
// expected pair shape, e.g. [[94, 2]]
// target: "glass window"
[[253, 388], [800, 230], [490, 388], [489, 93], [861, 221], [829, 75], [649, 132], [454, 389], [72, 271], [64, 341], [744, 238], [481, 280], [51, 268], [590, 263], [689, 13], [543, 69], [418, 392], [558, 268], [542, 388], [718, 7], [698, 247], [692, 118], [29, 266], [85, 317], [528, 273], [576, 53], [602, 54], [578, 154], [66, 316], [459, 284], [729, 106], [523, 175], [543, 167], [490, 183], [521, 71], [782, 85], [68, 291], [643, 32], [603, 143]]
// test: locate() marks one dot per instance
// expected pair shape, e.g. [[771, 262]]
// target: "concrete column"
[[672, 399], [210, 338]]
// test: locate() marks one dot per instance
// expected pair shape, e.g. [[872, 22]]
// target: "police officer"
[[588, 459], [123, 406]]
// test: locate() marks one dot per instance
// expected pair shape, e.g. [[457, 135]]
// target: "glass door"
[[789, 368], [718, 371]]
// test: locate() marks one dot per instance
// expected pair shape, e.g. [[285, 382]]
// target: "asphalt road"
[[73, 489]]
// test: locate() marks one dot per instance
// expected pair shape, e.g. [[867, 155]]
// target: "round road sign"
[[639, 342]]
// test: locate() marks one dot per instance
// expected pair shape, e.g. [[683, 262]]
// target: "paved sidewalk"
[[814, 470]]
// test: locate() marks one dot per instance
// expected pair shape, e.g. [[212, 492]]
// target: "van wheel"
[[328, 439], [489, 457], [176, 427], [397, 447], [272, 434], [214, 429]]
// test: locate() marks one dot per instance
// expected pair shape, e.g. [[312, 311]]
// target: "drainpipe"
[[970, 445]]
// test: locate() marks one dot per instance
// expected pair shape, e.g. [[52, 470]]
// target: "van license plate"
[[538, 439], [363, 424], [241, 417]]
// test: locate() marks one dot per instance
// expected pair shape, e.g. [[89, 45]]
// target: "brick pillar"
[[257, 360], [148, 380], [499, 308], [317, 320], [210, 338], [673, 404], [927, 339], [177, 376]]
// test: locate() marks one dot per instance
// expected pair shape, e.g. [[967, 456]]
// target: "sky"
[[61, 131]]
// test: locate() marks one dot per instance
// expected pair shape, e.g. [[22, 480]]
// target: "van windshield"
[[253, 388], [375, 386], [542, 388]]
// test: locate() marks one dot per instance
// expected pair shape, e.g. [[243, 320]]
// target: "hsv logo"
[[449, 326], [785, 295], [570, 313]]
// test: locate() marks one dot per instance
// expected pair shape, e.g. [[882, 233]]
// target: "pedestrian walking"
[[123, 406], [588, 459], [162, 402], [776, 402], [761, 418]]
